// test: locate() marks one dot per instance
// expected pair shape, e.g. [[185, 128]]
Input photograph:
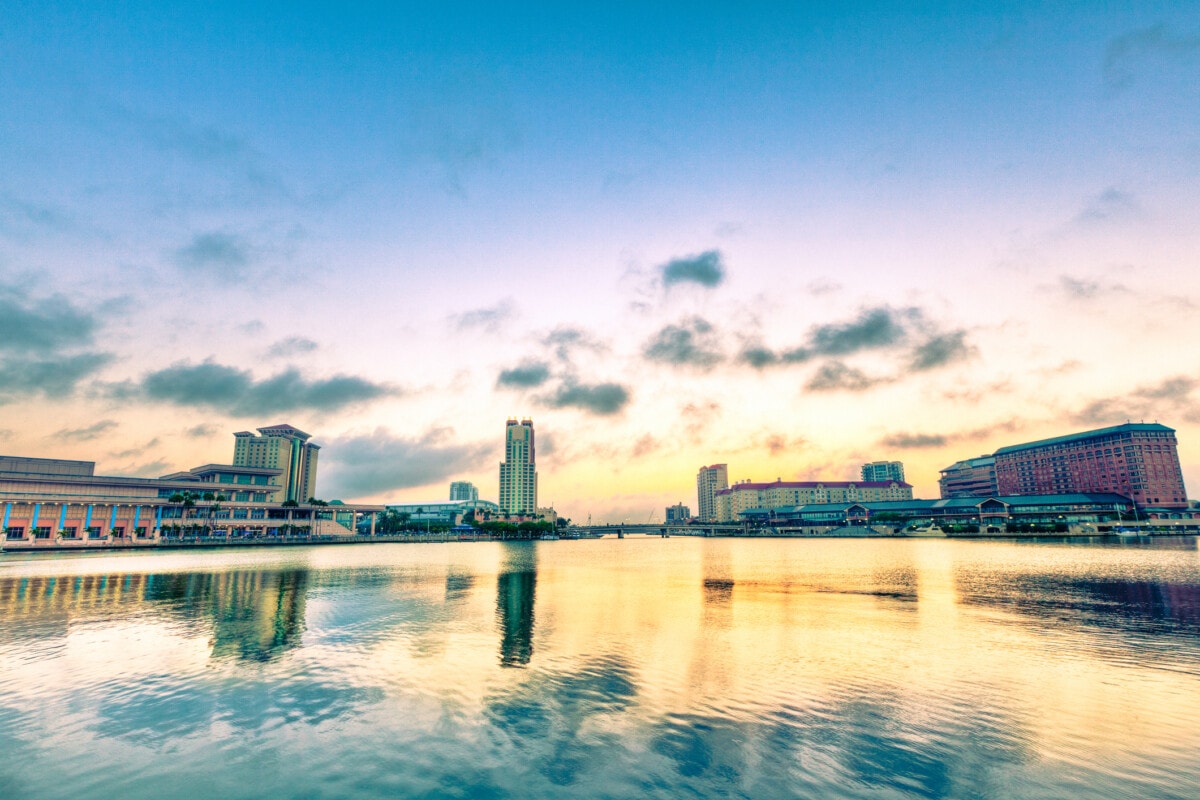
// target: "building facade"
[[709, 481], [883, 471], [54, 502], [286, 449], [518, 473], [463, 490], [733, 502], [678, 514], [1135, 460], [971, 477]]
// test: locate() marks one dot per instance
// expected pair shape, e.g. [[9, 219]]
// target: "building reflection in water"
[[516, 587], [251, 615]]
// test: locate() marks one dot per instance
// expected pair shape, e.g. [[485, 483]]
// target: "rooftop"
[[1128, 427]]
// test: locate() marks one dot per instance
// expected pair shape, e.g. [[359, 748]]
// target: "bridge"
[[725, 529]]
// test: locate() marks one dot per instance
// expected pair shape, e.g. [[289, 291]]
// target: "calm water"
[[635, 668]]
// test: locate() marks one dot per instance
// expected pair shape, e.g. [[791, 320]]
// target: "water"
[[636, 668]]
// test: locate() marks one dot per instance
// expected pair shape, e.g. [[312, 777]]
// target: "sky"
[[786, 237]]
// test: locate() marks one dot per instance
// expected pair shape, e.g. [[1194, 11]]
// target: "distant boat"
[[550, 537]]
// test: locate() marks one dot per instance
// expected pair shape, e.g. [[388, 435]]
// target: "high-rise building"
[[678, 513], [709, 481], [971, 477], [518, 473], [883, 471], [1137, 460], [463, 490], [286, 449]]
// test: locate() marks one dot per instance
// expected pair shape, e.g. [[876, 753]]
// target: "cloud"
[[1129, 51], [1110, 205], [489, 319], [873, 328], [1087, 288], [150, 469], [252, 328], [87, 434], [528, 375], [693, 343], [382, 462], [705, 269], [915, 441], [940, 350], [1171, 398], [291, 346], [565, 339], [836, 376], [134, 452], [201, 431], [54, 377], [237, 392], [602, 399], [645, 445], [30, 325], [218, 254]]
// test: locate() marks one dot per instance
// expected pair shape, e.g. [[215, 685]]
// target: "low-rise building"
[[732, 502], [971, 477]]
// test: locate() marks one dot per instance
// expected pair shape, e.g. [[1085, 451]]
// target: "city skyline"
[[790, 241]]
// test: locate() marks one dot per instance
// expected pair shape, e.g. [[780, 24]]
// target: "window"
[[17, 532], [70, 533], [139, 533], [93, 532], [41, 532]]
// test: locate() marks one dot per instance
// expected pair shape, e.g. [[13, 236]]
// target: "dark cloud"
[[236, 391], [873, 328], [836, 376], [529, 375], [291, 346], [215, 253], [691, 343], [601, 399], [940, 350], [383, 462], [705, 269], [1128, 52], [31, 325], [489, 319], [915, 441], [55, 377], [87, 434]]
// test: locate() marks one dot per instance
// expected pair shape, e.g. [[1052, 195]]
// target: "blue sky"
[[414, 200]]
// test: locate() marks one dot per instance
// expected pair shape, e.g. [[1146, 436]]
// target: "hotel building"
[[971, 477], [709, 481], [1135, 460], [282, 448], [733, 502], [518, 473]]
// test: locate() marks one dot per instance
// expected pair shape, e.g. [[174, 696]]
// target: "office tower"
[[883, 471], [1137, 460], [709, 481], [463, 490], [518, 473], [284, 448]]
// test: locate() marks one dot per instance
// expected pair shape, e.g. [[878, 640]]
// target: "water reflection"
[[516, 588], [661, 669]]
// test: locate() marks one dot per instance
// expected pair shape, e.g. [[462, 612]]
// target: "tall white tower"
[[518, 473]]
